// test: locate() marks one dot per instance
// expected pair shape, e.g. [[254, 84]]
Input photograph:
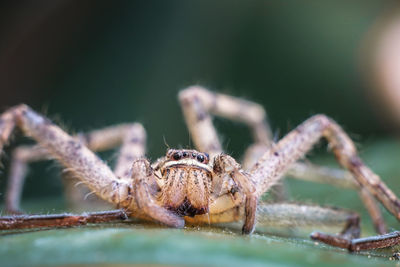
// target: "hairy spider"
[[200, 187]]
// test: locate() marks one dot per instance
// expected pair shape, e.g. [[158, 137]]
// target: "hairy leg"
[[131, 137], [133, 147], [198, 104], [97, 140]]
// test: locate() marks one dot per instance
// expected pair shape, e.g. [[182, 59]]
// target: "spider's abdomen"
[[186, 189]]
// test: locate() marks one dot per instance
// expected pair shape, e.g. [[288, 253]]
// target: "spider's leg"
[[373, 210], [274, 163], [342, 179], [133, 147], [131, 137], [96, 140], [319, 174], [226, 165], [20, 158], [60, 220], [199, 121], [197, 104], [253, 153], [357, 244], [302, 215]]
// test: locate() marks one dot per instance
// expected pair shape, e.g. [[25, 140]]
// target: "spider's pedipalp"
[[226, 165], [145, 202]]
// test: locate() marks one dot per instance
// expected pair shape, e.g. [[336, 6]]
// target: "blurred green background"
[[90, 64]]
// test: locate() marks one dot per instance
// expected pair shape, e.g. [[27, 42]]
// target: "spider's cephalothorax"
[[185, 182]]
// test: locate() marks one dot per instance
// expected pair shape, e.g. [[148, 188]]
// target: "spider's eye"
[[177, 155], [194, 155], [207, 156], [200, 157], [184, 154]]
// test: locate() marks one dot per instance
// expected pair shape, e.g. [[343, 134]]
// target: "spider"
[[204, 185]]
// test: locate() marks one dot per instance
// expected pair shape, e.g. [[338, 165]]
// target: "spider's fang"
[[187, 209]]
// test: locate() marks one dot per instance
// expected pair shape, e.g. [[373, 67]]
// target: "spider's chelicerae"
[[188, 186]]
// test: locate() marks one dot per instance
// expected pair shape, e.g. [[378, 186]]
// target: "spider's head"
[[186, 182]]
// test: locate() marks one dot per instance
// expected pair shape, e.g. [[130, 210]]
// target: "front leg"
[[226, 165]]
